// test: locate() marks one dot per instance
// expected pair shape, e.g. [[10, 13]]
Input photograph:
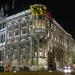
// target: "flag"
[[37, 10], [48, 14]]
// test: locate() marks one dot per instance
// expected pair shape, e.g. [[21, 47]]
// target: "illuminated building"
[[2, 35], [31, 39]]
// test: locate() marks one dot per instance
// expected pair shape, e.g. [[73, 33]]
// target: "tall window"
[[16, 32], [2, 25], [10, 54], [23, 23], [23, 53], [2, 38], [1, 55], [23, 30], [10, 33], [16, 54]]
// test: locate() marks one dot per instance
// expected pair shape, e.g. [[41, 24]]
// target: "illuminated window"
[[45, 54], [52, 36], [55, 38], [35, 54], [40, 54]]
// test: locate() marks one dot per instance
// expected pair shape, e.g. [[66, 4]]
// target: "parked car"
[[25, 68], [67, 69]]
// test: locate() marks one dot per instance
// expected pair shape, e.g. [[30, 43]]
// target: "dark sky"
[[63, 11]]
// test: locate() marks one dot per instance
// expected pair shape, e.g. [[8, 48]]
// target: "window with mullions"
[[10, 34], [40, 54], [16, 32], [23, 30], [2, 38]]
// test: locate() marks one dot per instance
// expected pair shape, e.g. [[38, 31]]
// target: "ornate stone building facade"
[[2, 35], [32, 38]]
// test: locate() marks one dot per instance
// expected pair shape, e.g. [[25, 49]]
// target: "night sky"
[[63, 11]]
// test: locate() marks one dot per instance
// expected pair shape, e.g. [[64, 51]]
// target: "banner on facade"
[[37, 10]]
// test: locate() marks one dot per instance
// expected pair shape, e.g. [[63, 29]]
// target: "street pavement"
[[37, 73]]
